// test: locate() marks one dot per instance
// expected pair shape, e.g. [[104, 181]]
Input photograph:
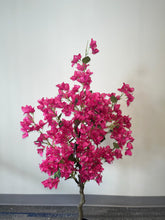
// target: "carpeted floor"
[[10, 212], [97, 207]]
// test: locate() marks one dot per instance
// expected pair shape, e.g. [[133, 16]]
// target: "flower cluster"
[[75, 124], [93, 46]]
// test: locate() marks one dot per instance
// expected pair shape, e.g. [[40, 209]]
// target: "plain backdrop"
[[38, 39]]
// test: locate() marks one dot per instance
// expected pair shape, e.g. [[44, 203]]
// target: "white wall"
[[38, 39]]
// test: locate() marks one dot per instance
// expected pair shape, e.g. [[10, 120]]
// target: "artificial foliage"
[[74, 126]]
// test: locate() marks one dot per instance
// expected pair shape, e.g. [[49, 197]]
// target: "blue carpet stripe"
[[31, 214]]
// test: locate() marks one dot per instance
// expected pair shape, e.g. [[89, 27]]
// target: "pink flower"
[[75, 89], [83, 78], [93, 46], [63, 86], [27, 125], [130, 98], [99, 179], [25, 134], [50, 183], [129, 146], [82, 67], [28, 109], [118, 154], [76, 58], [40, 151], [39, 125], [127, 90], [128, 152]]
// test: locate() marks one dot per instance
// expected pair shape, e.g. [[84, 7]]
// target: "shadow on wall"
[[19, 180], [148, 117], [148, 120], [19, 171]]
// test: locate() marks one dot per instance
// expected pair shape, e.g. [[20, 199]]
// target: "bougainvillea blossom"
[[75, 124], [76, 58], [93, 46]]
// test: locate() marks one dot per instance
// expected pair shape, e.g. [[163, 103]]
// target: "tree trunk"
[[82, 201]]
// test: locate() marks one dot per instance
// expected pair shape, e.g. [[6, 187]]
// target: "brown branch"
[[82, 199]]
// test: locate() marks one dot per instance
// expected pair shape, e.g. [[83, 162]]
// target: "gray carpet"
[[8, 212], [97, 207]]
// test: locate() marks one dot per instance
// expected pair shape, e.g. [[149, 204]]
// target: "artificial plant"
[[74, 126]]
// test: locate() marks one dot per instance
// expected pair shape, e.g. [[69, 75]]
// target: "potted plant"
[[74, 126]]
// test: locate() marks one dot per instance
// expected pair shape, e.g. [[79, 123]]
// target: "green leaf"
[[86, 59], [57, 174], [116, 146], [113, 99], [111, 127], [76, 101], [60, 124], [61, 161]]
